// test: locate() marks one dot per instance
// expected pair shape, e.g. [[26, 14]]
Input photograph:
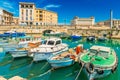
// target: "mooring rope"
[[5, 57], [79, 72], [20, 71], [45, 73]]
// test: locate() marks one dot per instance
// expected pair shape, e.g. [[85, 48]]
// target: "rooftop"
[[26, 3], [6, 11], [46, 10]]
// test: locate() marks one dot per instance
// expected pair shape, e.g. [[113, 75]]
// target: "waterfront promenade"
[[84, 31]]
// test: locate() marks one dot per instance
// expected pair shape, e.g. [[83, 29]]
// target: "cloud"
[[51, 6], [9, 6]]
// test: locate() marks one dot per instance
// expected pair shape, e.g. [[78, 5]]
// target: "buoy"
[[79, 49]]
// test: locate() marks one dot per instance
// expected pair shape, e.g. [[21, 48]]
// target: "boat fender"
[[80, 63], [90, 68], [72, 57], [113, 69], [99, 71]]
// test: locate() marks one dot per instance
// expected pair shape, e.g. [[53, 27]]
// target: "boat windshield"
[[45, 42], [93, 51], [50, 43], [104, 54], [58, 42]]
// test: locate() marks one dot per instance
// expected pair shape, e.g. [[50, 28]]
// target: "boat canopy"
[[100, 48]]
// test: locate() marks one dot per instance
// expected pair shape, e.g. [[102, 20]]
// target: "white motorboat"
[[51, 46]]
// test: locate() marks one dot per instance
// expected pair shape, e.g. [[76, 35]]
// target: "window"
[[26, 18], [44, 41], [40, 11], [41, 15], [36, 11], [30, 12], [30, 18], [31, 6], [58, 42], [26, 6], [31, 23], [26, 12], [40, 19], [50, 42], [22, 18], [22, 6]]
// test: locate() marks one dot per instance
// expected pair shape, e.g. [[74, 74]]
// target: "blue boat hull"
[[76, 37], [61, 63]]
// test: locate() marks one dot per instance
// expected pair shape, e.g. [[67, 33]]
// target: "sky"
[[67, 9]]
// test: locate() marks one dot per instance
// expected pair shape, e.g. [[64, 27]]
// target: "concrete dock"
[[13, 78]]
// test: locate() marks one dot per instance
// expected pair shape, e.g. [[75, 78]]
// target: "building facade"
[[26, 13], [45, 17], [115, 23], [15, 21], [83, 21], [30, 15], [5, 17]]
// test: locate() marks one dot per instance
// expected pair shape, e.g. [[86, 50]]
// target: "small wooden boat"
[[20, 52], [90, 38], [66, 58], [76, 37], [102, 39]]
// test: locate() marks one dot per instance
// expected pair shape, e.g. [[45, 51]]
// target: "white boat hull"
[[17, 54], [45, 56]]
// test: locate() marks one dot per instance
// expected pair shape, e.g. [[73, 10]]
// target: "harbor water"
[[42, 70]]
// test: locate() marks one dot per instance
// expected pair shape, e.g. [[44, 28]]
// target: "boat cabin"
[[100, 51], [53, 41]]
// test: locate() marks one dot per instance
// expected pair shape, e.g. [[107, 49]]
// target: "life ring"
[[100, 71], [90, 68]]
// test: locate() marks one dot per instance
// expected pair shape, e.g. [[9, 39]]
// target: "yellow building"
[[5, 17], [45, 17], [30, 15]]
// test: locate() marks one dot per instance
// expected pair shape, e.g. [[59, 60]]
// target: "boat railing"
[[47, 49]]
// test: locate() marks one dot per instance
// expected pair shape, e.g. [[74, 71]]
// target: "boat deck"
[[99, 60]]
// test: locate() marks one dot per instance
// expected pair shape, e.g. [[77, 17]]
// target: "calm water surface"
[[24, 67]]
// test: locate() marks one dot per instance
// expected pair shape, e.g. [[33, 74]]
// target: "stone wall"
[[84, 31]]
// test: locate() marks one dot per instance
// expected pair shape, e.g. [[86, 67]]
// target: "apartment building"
[[30, 15], [5, 17], [45, 17], [26, 13]]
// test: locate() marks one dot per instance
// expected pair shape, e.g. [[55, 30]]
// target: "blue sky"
[[67, 9]]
